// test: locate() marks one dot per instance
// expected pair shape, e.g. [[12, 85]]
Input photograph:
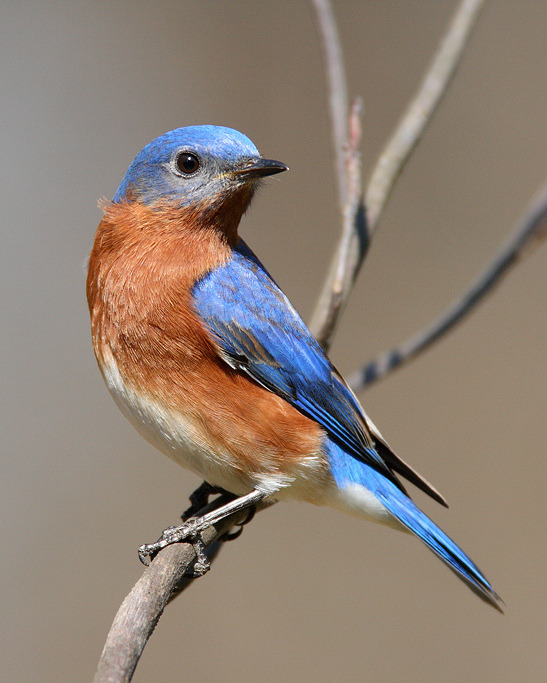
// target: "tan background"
[[305, 594]]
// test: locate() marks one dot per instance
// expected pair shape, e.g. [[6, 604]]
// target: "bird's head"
[[196, 166]]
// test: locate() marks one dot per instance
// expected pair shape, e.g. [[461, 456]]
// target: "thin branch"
[[355, 239], [530, 232], [346, 138], [352, 246], [338, 91], [410, 128], [161, 581]]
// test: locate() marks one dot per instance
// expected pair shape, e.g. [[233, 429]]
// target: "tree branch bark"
[[163, 580]]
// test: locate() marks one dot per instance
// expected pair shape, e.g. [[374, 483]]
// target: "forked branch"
[[358, 226]]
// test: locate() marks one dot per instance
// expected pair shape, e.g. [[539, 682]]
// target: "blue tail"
[[349, 471]]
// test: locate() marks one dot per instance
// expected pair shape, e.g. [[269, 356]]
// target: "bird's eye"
[[187, 163]]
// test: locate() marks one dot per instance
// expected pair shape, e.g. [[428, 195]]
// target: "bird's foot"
[[191, 533], [191, 530]]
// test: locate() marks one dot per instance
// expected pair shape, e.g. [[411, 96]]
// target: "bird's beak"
[[259, 168]]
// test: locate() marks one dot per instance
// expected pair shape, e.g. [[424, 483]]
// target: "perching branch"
[[355, 238], [531, 230], [161, 581]]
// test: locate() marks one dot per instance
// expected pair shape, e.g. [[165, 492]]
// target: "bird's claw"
[[189, 532]]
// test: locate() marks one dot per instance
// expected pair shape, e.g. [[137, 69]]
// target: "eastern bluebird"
[[207, 358]]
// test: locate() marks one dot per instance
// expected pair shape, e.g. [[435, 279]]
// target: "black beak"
[[259, 168]]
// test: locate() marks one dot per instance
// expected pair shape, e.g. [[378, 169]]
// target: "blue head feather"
[[154, 176]]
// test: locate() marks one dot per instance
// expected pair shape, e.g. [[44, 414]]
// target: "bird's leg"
[[191, 530], [200, 498]]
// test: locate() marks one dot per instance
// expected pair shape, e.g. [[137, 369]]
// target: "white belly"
[[182, 439], [174, 434]]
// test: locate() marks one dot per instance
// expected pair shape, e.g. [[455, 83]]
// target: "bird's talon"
[[189, 532], [170, 535], [200, 569], [145, 554], [148, 551]]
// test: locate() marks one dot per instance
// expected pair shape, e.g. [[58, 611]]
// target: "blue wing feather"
[[259, 331]]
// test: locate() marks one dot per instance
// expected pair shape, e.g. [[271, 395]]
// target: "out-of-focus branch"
[[419, 113], [352, 245], [530, 232], [355, 239], [338, 91]]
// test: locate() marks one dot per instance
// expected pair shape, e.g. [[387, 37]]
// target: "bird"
[[207, 358]]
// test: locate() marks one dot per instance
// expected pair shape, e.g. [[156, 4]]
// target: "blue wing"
[[260, 333]]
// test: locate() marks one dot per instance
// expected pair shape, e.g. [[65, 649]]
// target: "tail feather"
[[349, 472], [443, 546]]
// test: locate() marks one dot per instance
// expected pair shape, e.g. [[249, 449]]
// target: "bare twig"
[[352, 245], [142, 608], [530, 232], [355, 239], [338, 91], [346, 135], [410, 128]]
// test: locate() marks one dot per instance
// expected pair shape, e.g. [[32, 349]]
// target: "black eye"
[[187, 163]]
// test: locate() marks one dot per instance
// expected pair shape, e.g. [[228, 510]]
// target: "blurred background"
[[305, 594]]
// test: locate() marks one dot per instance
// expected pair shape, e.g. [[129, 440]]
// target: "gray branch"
[[163, 580], [530, 232], [338, 91], [420, 111], [358, 228]]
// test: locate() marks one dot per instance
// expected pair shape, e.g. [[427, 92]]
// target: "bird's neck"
[[167, 248], [223, 213], [164, 231]]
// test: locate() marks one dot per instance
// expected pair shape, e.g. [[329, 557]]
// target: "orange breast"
[[143, 265]]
